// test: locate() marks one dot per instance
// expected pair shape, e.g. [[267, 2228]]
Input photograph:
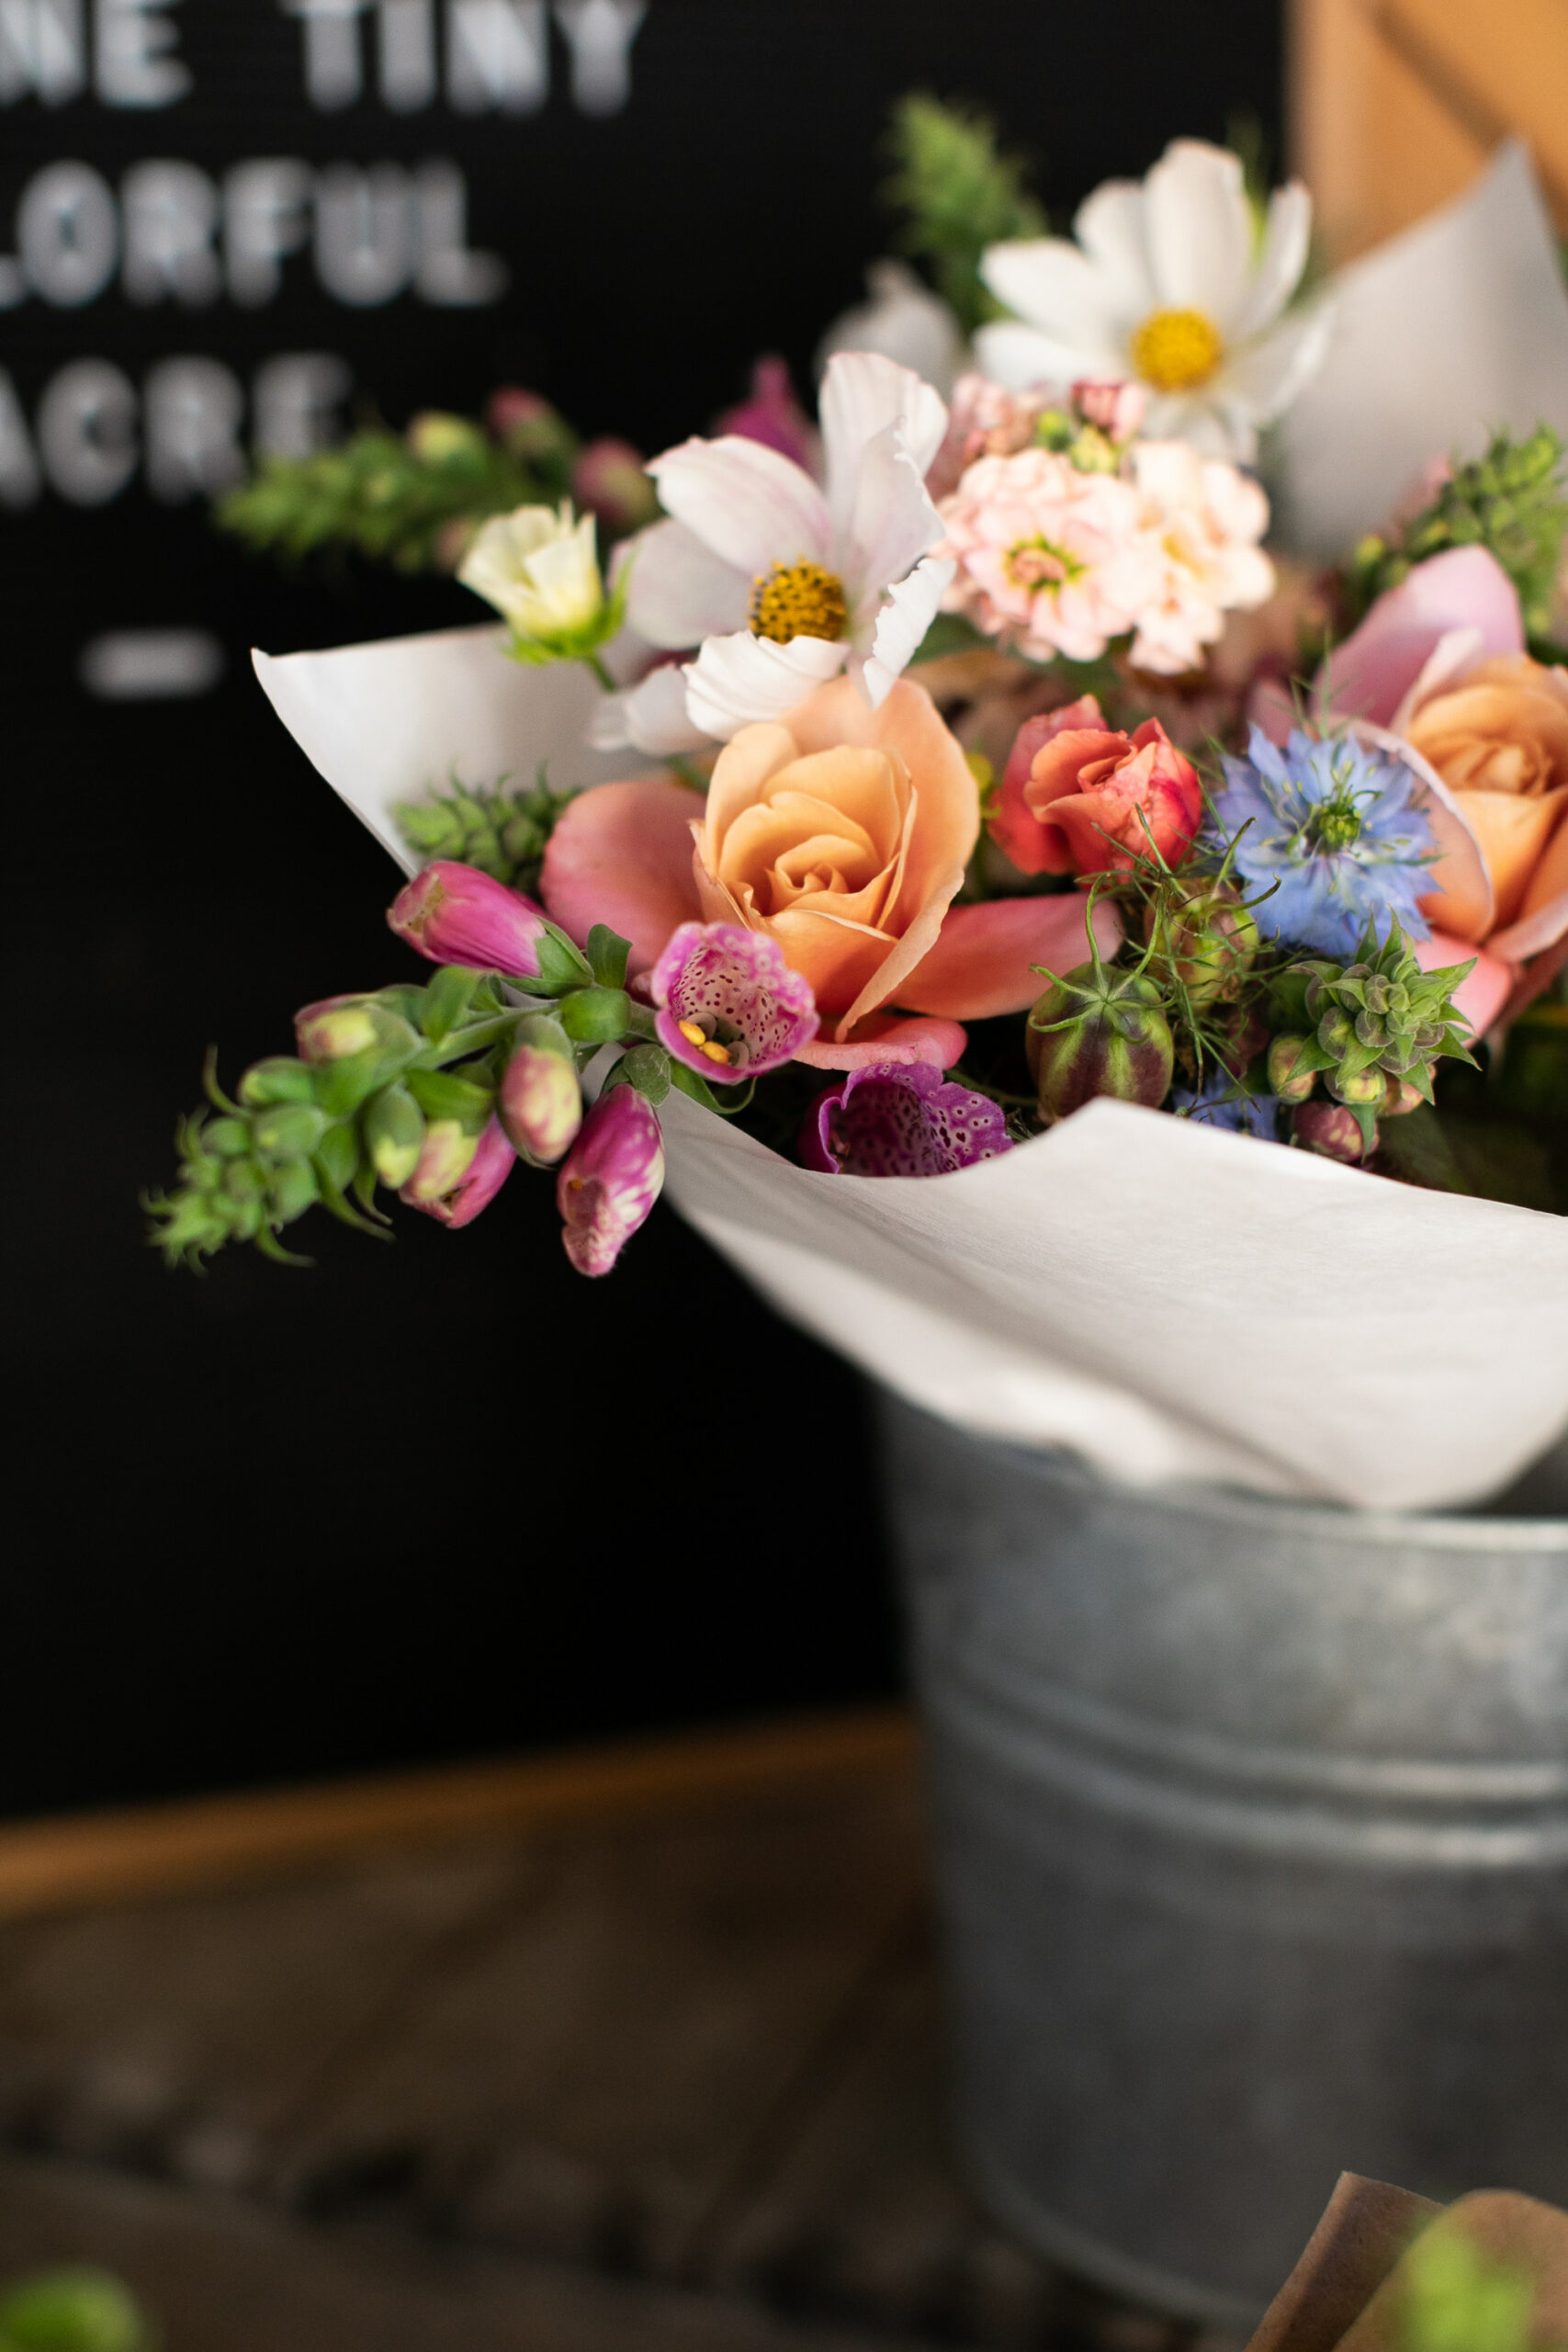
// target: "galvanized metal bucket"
[[1252, 1826]]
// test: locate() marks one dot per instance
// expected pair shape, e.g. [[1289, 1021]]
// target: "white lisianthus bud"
[[539, 568]]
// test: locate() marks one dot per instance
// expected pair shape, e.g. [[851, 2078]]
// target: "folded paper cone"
[[1171, 1301]]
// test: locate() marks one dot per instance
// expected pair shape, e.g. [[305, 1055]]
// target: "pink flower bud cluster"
[[611, 1178]]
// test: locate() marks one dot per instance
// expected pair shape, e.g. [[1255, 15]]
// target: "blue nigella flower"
[[1248, 1115], [1333, 824]]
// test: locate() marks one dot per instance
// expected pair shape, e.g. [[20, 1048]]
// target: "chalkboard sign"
[[423, 1500]]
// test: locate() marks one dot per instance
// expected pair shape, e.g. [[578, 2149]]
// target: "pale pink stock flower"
[[1206, 520], [1052, 559], [985, 419]]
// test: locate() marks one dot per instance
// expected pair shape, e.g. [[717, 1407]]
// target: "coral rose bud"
[[610, 1180], [1095, 800], [541, 1102], [489, 1161], [1286, 1079], [454, 914], [1334, 1131]]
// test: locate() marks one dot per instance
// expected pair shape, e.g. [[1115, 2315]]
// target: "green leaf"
[[958, 194], [688, 1082], [441, 1095], [595, 1016], [608, 955], [446, 998]]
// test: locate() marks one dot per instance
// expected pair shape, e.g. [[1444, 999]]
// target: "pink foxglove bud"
[[611, 480], [541, 1102], [454, 914], [611, 1180], [481, 1166], [772, 415], [526, 422], [334, 1028]]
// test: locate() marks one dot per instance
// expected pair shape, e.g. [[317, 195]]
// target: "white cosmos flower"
[[782, 583], [1167, 287]]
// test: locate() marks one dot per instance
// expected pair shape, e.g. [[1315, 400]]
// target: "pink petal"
[[980, 965], [1482, 997], [621, 854], [884, 1037], [1465, 588]]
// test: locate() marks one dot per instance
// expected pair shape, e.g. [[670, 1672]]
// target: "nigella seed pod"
[[1212, 942], [1332, 1130], [1286, 1079], [541, 1103], [1099, 1031]]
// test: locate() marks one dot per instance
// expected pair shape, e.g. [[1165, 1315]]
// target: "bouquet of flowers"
[[1106, 976]]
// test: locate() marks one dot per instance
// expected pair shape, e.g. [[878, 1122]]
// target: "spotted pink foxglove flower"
[[456, 1177], [454, 914], [728, 1005], [900, 1119], [611, 1178]]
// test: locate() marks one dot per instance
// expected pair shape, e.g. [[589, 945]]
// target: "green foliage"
[[504, 834], [1458, 2301], [1513, 501], [958, 194], [72, 2311], [404, 499]]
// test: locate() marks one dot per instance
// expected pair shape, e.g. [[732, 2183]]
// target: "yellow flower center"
[[1175, 350], [798, 600]]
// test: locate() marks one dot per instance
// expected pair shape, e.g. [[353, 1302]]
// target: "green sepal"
[[291, 1190], [687, 1082], [649, 1069], [341, 1087], [595, 1016], [446, 998], [608, 955], [440, 1095], [227, 1139], [280, 1079], [337, 1156], [562, 965]]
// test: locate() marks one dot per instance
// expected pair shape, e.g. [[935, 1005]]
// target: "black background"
[[445, 1497]]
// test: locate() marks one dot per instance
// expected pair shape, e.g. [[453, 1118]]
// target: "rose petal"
[[885, 1038], [622, 855], [1544, 918], [1482, 997], [1463, 588], [981, 964]]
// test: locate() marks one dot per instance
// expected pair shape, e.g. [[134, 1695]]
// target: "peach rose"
[[1080, 798], [1499, 741], [843, 832]]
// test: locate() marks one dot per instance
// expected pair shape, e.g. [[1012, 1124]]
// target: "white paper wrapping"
[[1172, 1302], [1449, 331]]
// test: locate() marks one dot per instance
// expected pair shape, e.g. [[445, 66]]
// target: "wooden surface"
[[1395, 105], [659, 2070]]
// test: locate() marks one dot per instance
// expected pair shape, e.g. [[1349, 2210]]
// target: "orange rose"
[[843, 831], [1499, 741]]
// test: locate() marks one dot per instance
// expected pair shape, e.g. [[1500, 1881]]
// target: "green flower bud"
[[596, 1016], [280, 1130], [281, 1079], [1369, 1086], [394, 1135], [1286, 1078], [291, 1190]]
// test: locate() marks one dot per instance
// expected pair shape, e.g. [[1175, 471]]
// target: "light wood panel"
[[1395, 104]]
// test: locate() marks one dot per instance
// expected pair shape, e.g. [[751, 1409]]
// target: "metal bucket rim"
[[1335, 1521]]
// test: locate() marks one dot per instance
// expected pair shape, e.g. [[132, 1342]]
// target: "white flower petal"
[[1054, 287], [748, 505], [1199, 232], [1215, 429], [678, 591], [1264, 378], [736, 680], [864, 395], [1019, 358], [1111, 228], [889, 526], [652, 717], [1280, 264], [905, 321], [909, 611]]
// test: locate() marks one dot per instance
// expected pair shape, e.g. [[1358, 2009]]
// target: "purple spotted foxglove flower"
[[480, 1167], [900, 1119], [610, 1180], [729, 1004], [454, 914]]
